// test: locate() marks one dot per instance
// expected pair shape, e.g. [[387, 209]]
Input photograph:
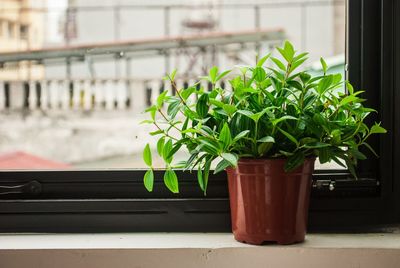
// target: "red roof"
[[22, 160]]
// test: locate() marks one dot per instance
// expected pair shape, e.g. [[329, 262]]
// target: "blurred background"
[[76, 75]]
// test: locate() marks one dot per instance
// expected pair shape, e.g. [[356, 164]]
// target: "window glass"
[[84, 111]]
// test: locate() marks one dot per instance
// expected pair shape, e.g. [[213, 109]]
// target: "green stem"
[[168, 121], [177, 92], [165, 133], [255, 138]]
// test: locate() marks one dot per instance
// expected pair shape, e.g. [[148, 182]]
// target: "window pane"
[[81, 110]]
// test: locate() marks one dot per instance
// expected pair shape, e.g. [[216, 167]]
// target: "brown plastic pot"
[[268, 204]]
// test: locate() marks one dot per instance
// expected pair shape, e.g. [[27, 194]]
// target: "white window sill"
[[195, 250]]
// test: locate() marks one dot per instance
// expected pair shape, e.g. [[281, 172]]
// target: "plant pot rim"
[[262, 160]]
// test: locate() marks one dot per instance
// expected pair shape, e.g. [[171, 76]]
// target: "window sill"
[[195, 250]]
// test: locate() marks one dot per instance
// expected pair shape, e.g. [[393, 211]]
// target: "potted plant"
[[266, 132]]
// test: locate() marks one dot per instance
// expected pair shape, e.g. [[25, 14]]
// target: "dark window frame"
[[115, 201]]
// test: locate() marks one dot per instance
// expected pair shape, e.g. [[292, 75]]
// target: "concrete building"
[[21, 29], [315, 26]]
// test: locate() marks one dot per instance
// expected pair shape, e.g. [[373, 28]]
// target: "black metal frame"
[[115, 201]]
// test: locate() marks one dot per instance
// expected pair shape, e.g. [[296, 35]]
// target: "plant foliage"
[[270, 112]]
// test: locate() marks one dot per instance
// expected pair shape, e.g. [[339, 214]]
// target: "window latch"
[[32, 188], [324, 184]]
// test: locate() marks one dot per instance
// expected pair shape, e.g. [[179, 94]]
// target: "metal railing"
[[87, 94]]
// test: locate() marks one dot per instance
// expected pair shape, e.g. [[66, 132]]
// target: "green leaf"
[[323, 155], [287, 51], [206, 173], [307, 140], [289, 136], [147, 155], [322, 121], [264, 147], [200, 179], [152, 110], [179, 165], [246, 113], [202, 175], [171, 181], [377, 129], [261, 62], [294, 161], [146, 122], [225, 136], [324, 84], [336, 79], [349, 87], [337, 161], [209, 146], [305, 77], [213, 74], [161, 98], [184, 127], [300, 56], [175, 148], [148, 180], [348, 99], [173, 108], [287, 154], [370, 148], [255, 116], [198, 162], [229, 109], [166, 151], [336, 136], [359, 155], [185, 94], [240, 135], [296, 64], [202, 105], [222, 165], [323, 64], [279, 64], [173, 74], [267, 139], [259, 74], [190, 130], [222, 75], [231, 158], [192, 157], [350, 167], [288, 47], [206, 131], [283, 118], [157, 132], [216, 103], [160, 146], [314, 145], [265, 84]]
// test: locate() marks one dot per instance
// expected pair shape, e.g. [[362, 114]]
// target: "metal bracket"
[[324, 184], [32, 187]]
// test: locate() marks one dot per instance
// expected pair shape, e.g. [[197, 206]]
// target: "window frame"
[[116, 201]]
